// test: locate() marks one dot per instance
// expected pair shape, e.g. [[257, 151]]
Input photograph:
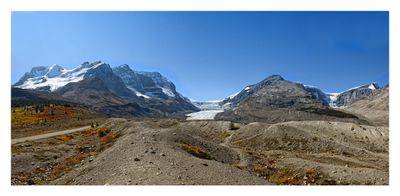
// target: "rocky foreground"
[[164, 152]]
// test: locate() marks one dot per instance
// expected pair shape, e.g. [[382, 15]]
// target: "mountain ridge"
[[98, 85]]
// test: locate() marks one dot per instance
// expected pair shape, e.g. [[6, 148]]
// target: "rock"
[[31, 182], [25, 145], [179, 177], [162, 154], [205, 164], [334, 172], [136, 159]]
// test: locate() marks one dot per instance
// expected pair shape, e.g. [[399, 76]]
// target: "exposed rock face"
[[277, 100], [152, 84], [118, 92], [134, 81], [316, 92], [91, 91], [275, 92], [154, 87], [374, 107], [352, 95], [111, 81]]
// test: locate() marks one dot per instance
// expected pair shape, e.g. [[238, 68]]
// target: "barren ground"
[[154, 152]]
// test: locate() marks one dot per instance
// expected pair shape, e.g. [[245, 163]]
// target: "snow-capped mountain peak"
[[54, 71], [373, 86], [54, 77], [151, 84]]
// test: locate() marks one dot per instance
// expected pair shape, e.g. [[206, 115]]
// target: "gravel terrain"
[[150, 152]]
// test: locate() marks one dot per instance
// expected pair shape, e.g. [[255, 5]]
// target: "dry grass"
[[29, 120], [19, 150], [71, 150], [25, 116], [285, 176], [100, 131], [66, 165], [196, 151], [65, 138], [234, 126], [111, 136]]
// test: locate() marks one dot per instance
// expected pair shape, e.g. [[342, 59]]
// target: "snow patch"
[[234, 95], [372, 87], [332, 98], [139, 94], [54, 83], [168, 92], [207, 105], [203, 115]]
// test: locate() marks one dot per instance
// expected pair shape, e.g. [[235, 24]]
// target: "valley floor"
[[168, 151]]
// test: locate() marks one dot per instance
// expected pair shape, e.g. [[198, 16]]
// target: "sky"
[[211, 55]]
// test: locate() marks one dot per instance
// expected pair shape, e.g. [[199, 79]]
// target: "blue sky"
[[210, 55]]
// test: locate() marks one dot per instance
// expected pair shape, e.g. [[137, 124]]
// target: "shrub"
[[285, 176], [109, 137], [196, 151], [65, 138], [234, 126]]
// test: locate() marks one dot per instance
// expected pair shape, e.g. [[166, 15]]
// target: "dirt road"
[[47, 135]]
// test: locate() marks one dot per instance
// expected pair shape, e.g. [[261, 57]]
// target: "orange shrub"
[[109, 137]]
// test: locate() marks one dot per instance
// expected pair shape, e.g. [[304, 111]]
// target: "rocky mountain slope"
[[334, 100], [154, 86], [277, 100], [352, 95], [374, 107], [118, 92]]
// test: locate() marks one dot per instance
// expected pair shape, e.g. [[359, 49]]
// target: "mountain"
[[146, 84], [54, 77], [350, 96], [275, 99], [154, 86], [207, 105], [98, 85], [332, 99], [22, 97], [289, 94], [374, 107]]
